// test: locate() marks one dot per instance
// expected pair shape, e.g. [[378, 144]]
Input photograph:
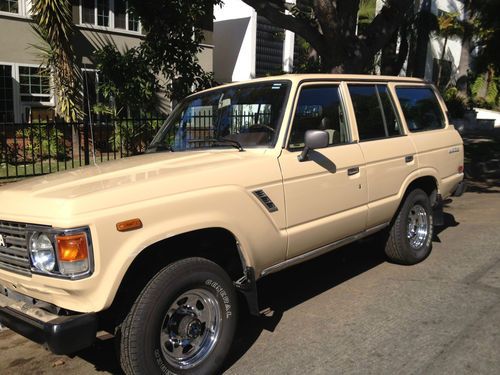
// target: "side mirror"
[[314, 139]]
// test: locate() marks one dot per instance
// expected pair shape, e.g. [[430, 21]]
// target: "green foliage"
[[52, 22], [485, 90], [127, 80], [131, 137], [173, 39], [450, 26], [456, 102], [366, 12], [42, 142], [488, 35], [307, 60]]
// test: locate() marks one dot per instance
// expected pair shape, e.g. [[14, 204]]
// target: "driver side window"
[[319, 108]]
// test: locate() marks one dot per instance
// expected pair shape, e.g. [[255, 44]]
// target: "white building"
[[247, 45], [436, 44]]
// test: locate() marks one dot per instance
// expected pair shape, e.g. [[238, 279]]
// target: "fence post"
[[86, 146]]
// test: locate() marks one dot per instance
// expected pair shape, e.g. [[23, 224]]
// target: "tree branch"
[[383, 26], [274, 11]]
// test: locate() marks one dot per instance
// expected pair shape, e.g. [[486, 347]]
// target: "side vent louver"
[[266, 201]]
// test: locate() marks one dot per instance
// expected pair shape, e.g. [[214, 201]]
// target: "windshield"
[[242, 116]]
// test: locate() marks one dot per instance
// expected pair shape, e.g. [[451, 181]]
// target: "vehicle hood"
[[110, 184]]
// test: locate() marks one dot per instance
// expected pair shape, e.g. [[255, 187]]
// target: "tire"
[[178, 306], [410, 236]]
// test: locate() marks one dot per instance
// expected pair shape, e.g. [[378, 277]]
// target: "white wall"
[[454, 46], [235, 35]]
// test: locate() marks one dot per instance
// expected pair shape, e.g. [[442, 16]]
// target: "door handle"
[[352, 171], [409, 158]]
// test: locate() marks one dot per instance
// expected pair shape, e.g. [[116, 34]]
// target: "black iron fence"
[[41, 147]]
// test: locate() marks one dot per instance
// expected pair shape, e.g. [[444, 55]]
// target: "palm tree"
[[449, 27], [52, 21]]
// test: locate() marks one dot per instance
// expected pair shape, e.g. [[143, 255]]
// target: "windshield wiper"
[[231, 142]]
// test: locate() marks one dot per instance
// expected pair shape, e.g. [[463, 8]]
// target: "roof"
[[325, 77]]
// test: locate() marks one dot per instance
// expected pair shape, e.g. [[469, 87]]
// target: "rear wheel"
[[410, 236], [183, 322]]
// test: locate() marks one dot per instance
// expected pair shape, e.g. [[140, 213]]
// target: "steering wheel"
[[252, 128]]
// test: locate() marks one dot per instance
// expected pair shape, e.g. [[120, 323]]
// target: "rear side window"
[[420, 108], [374, 110]]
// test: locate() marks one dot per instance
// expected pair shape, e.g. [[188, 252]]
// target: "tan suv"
[[243, 180]]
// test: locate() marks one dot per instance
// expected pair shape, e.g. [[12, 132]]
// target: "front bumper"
[[61, 334]]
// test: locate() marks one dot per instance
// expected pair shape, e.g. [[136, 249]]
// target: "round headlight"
[[42, 252]]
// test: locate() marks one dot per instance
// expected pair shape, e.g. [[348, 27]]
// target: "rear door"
[[325, 195], [388, 152], [439, 146]]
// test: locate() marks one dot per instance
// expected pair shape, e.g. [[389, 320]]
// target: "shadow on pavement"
[[482, 163], [280, 292], [284, 290], [103, 356]]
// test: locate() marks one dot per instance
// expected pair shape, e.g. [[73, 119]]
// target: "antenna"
[[90, 117]]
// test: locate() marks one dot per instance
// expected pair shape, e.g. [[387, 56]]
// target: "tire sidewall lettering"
[[224, 296], [161, 363]]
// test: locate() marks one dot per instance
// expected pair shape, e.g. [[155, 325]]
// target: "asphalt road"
[[351, 312]]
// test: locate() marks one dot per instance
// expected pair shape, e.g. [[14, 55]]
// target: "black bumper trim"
[[63, 335], [460, 189]]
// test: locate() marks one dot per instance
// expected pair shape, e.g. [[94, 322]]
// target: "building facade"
[[248, 45], [25, 93]]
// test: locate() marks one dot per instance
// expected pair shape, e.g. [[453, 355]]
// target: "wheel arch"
[[217, 244]]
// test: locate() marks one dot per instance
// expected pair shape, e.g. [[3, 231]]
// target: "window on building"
[[10, 6], [421, 108], [6, 94], [124, 17], [88, 11], [114, 14], [133, 21], [319, 108], [120, 14], [34, 85], [446, 70], [103, 13], [375, 115]]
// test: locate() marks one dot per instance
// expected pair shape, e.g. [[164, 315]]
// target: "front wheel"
[[183, 322], [410, 236]]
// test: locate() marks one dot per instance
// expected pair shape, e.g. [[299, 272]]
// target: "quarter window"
[[375, 114], [319, 108], [420, 108]]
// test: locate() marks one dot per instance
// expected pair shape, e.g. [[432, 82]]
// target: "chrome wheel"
[[418, 226], [190, 328]]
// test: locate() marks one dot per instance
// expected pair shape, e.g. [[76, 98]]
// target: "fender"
[[256, 251]]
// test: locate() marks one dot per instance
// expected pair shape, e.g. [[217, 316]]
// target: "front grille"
[[14, 255]]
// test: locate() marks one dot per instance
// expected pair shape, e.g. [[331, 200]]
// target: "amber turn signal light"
[[72, 248], [132, 224]]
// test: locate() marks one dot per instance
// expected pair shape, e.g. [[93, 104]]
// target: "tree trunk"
[[441, 62], [464, 64]]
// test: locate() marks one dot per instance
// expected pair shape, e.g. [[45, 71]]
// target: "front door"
[[326, 195]]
